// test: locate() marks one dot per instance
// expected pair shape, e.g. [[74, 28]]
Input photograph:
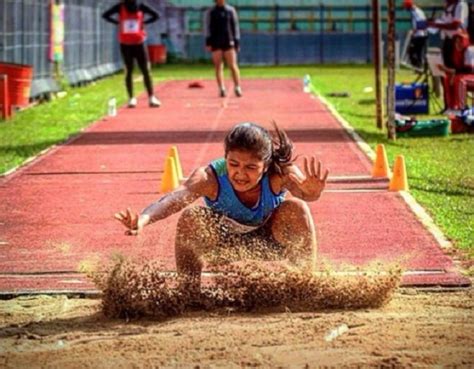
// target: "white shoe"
[[154, 102], [238, 91], [132, 103]]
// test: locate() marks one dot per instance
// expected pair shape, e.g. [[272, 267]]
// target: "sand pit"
[[246, 314], [414, 329]]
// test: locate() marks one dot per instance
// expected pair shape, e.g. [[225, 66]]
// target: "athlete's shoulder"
[[113, 9], [213, 9], [219, 166], [203, 182], [230, 8], [144, 7]]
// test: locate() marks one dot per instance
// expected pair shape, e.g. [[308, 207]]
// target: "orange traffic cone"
[[170, 179], [173, 152], [399, 180], [381, 168]]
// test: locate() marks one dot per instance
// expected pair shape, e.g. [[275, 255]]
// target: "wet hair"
[[275, 148]]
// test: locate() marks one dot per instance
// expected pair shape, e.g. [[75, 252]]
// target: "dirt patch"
[[415, 329]]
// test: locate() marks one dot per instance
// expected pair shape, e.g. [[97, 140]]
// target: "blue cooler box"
[[411, 98]]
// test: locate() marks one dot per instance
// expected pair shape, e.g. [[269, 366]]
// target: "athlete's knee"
[[190, 217], [196, 225], [293, 226], [295, 207]]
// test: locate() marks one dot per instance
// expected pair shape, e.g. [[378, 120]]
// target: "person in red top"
[[461, 71], [132, 35], [454, 18]]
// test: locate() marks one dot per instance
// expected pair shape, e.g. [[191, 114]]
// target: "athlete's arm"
[[153, 15], [235, 29], [108, 15], [207, 28], [201, 183], [451, 26]]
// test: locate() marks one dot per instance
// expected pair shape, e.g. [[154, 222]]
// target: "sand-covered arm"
[[201, 183]]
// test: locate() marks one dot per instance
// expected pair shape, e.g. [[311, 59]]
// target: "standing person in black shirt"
[[132, 35], [223, 40]]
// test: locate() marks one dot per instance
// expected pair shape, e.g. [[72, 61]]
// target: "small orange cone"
[[399, 180], [381, 168], [170, 179], [173, 152]]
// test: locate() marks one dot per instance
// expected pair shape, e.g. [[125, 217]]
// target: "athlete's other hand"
[[314, 181], [130, 220]]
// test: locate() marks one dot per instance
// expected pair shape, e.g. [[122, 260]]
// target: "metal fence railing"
[[24, 37], [90, 45]]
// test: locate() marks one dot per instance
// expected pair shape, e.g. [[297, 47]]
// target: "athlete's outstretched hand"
[[313, 182], [130, 220]]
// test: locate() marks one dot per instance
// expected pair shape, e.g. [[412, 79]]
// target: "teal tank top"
[[228, 204]]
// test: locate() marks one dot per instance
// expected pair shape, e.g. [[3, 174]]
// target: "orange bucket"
[[157, 54], [19, 82]]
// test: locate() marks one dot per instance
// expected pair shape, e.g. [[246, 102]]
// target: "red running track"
[[56, 212]]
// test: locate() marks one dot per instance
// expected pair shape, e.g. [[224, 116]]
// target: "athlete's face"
[[220, 2], [245, 170]]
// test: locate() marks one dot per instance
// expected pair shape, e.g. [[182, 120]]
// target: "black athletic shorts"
[[222, 48]]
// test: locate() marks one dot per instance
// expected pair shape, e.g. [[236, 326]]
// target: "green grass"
[[440, 169]]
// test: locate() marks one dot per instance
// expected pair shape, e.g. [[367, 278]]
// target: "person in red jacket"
[[462, 70], [454, 18], [132, 35]]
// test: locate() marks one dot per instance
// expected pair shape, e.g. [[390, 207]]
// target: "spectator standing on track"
[[223, 41], [455, 17], [246, 205], [132, 35], [419, 36]]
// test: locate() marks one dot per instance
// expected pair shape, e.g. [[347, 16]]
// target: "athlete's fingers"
[[326, 176], [306, 168], [129, 215], [122, 217], [133, 220], [313, 167], [118, 216]]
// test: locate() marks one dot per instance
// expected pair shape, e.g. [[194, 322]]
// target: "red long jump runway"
[[56, 214]]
